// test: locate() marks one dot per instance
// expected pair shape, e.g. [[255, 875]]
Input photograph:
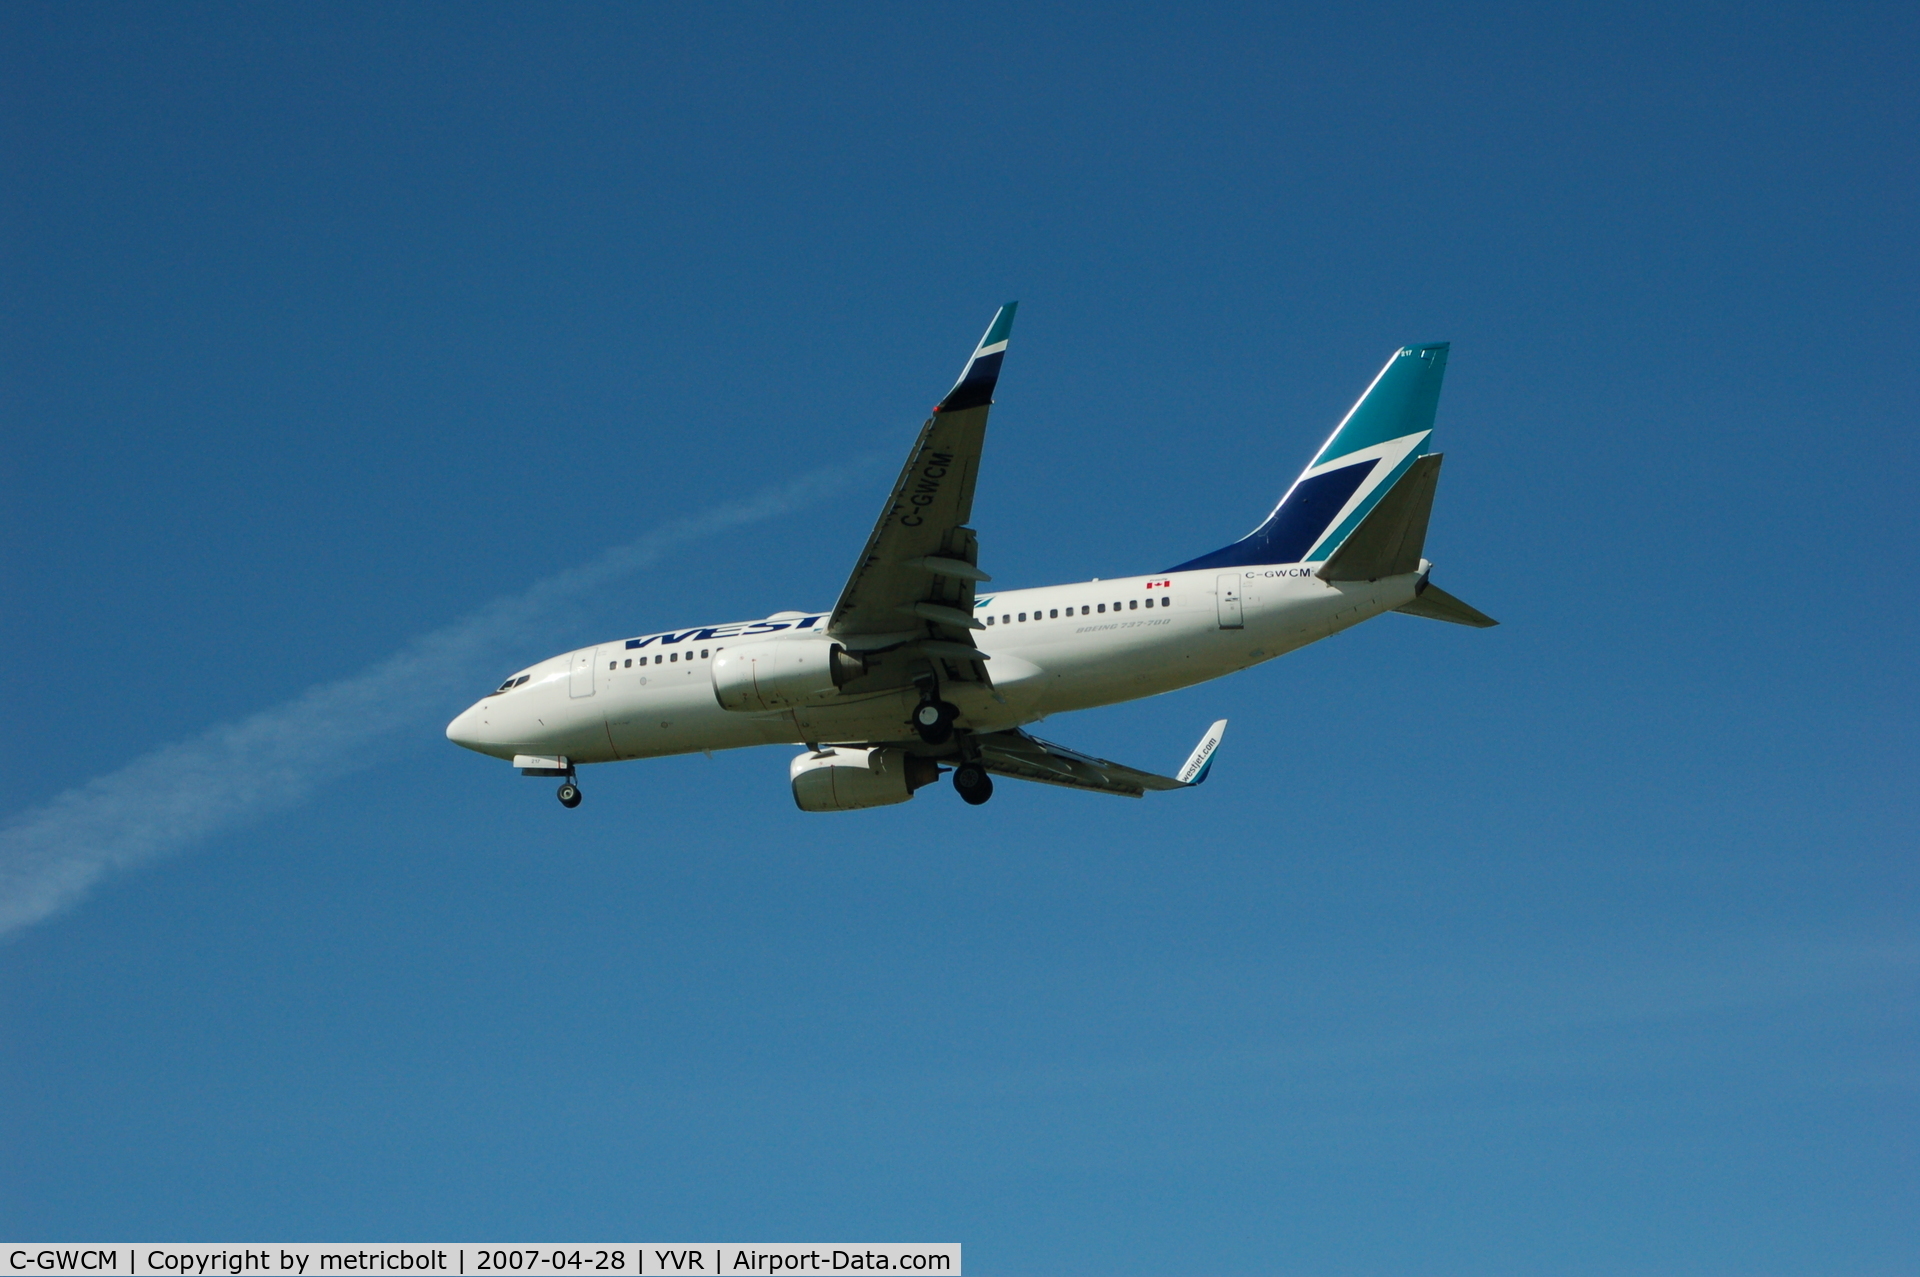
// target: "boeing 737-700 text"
[[916, 669]]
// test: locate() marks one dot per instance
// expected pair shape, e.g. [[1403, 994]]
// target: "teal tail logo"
[[1383, 434]]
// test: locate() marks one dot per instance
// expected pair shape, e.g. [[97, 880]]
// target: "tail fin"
[[1378, 440]]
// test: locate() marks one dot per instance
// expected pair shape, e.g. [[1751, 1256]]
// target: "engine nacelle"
[[781, 673], [841, 779]]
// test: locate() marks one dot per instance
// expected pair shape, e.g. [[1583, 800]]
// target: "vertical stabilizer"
[[1374, 445]]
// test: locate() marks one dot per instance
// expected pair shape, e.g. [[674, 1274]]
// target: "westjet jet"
[[917, 669]]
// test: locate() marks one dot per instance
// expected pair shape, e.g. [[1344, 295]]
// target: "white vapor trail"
[[159, 803]]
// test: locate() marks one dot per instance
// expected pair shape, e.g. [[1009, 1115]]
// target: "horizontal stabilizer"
[[1436, 604], [1389, 540]]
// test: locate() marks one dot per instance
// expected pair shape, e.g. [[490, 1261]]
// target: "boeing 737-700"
[[918, 668]]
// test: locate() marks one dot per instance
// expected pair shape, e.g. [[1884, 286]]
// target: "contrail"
[[165, 800]]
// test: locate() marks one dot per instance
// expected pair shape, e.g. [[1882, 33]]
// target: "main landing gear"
[[974, 784], [569, 793], [934, 721]]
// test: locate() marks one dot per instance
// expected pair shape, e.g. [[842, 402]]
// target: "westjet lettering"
[[913, 674], [737, 629]]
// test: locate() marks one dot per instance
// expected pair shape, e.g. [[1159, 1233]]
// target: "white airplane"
[[916, 670]]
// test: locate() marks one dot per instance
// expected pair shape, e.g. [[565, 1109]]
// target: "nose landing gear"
[[551, 765]]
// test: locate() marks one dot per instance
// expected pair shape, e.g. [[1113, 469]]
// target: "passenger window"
[[1133, 605], [629, 662], [613, 665], [1086, 611], [1166, 600], [703, 653], [1103, 607], [1053, 612], [1023, 616], [658, 659], [1116, 606], [989, 620], [673, 656], [1006, 620]]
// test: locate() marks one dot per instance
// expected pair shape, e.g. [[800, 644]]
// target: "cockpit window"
[[511, 683]]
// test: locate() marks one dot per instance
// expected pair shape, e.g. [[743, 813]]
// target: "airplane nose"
[[467, 731]]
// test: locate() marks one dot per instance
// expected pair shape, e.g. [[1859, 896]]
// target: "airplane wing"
[[915, 579], [1027, 757]]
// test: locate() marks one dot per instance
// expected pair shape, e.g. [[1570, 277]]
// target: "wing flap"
[[1025, 757]]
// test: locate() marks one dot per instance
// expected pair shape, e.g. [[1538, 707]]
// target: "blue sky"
[[335, 339]]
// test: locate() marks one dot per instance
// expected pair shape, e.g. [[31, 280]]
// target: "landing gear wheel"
[[569, 794], [974, 784], [934, 721]]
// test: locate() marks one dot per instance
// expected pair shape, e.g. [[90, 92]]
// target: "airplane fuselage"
[[916, 668], [1051, 650]]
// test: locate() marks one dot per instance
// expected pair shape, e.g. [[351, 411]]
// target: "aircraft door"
[[1229, 589], [581, 684]]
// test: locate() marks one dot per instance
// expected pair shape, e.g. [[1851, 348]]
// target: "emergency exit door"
[[1230, 603]]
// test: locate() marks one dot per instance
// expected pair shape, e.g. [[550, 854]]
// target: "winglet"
[[1200, 761], [975, 387]]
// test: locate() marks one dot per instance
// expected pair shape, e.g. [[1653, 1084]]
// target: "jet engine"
[[781, 673], [841, 779]]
